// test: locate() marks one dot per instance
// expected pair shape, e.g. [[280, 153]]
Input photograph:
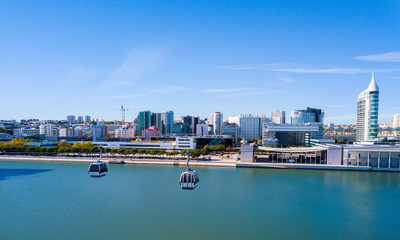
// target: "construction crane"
[[123, 110]]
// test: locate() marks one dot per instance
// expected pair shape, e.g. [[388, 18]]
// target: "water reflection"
[[12, 172]]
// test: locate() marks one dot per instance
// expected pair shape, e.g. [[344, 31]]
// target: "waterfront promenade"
[[215, 161]]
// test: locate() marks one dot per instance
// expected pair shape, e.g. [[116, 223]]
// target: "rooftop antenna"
[[123, 110]]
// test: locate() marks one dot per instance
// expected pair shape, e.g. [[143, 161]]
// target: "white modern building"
[[46, 129], [250, 126], [180, 143], [278, 117], [288, 134], [216, 120], [201, 129], [367, 112]]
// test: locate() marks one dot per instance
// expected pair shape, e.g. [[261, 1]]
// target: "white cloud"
[[327, 70], [288, 80], [137, 63], [384, 57]]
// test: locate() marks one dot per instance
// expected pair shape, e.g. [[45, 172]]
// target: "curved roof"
[[373, 86]]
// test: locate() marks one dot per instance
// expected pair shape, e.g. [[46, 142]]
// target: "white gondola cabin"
[[189, 179], [99, 168]]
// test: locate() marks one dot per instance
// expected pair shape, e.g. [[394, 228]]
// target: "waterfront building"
[[231, 129], [71, 119], [288, 134], [201, 129], [367, 112], [167, 119], [311, 115], [179, 143], [278, 117], [250, 126], [216, 120], [144, 121], [179, 128], [191, 122]]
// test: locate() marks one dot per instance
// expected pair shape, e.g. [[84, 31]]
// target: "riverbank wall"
[[203, 163]]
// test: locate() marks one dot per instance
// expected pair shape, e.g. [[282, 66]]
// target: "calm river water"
[[60, 201]]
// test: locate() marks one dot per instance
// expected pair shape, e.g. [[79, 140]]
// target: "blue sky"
[[196, 57]]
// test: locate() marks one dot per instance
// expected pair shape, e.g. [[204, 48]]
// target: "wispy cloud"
[[137, 63], [384, 57], [288, 80], [285, 68], [314, 70]]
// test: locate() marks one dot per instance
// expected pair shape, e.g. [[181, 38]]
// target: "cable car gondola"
[[189, 178], [99, 168]]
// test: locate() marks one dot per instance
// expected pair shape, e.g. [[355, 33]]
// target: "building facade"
[[278, 117], [144, 121], [216, 120], [311, 115], [367, 112], [250, 126]]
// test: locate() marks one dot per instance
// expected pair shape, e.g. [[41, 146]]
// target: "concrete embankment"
[[212, 163], [173, 162], [312, 167]]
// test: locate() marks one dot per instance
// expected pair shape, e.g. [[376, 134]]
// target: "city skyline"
[[197, 58]]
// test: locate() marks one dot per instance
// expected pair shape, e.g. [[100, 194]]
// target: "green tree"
[[63, 144]]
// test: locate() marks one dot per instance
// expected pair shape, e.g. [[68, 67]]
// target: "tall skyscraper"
[[157, 121], [250, 126], [144, 121], [167, 121], [367, 112], [278, 117], [216, 120]]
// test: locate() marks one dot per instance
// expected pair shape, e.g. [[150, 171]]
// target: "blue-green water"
[[60, 201]]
